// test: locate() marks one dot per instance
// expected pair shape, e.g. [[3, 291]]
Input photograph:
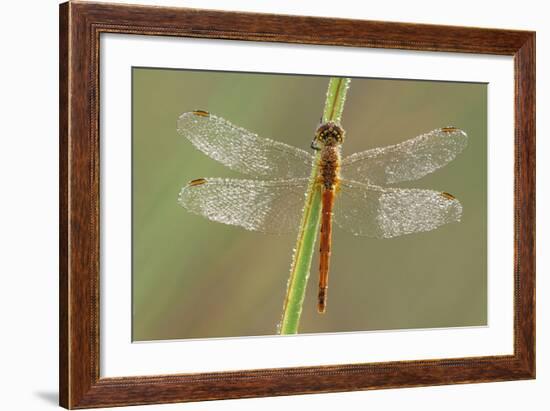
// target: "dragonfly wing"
[[242, 150], [268, 206], [409, 160], [373, 211]]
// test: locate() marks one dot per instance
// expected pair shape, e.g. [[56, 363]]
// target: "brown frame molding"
[[80, 27]]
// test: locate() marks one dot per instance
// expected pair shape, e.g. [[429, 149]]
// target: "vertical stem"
[[336, 97], [309, 226]]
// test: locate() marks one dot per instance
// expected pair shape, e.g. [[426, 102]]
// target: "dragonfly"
[[354, 189]]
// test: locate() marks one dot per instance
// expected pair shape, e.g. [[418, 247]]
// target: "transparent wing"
[[409, 160], [267, 206], [373, 211], [242, 150]]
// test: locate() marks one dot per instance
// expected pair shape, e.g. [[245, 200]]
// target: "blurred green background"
[[193, 278]]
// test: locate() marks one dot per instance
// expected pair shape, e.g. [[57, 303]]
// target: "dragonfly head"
[[328, 134]]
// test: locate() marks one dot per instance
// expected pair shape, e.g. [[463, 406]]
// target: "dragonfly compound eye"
[[330, 134]]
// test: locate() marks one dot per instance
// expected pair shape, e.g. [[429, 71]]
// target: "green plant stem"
[[309, 226]]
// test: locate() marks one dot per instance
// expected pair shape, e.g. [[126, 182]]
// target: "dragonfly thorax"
[[329, 134]]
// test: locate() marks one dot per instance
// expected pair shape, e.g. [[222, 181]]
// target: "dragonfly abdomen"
[[328, 173], [327, 202]]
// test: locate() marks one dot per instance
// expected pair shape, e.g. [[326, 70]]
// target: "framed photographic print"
[[258, 205]]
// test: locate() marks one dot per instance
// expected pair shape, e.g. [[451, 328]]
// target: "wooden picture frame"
[[80, 27]]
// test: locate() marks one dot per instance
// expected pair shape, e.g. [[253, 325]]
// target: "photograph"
[[250, 190], [262, 204], [275, 205]]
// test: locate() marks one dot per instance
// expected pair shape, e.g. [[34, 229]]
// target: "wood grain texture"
[[63, 205], [80, 27]]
